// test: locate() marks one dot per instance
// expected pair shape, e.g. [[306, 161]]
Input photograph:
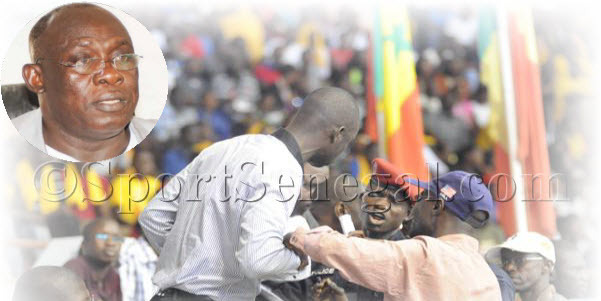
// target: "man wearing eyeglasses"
[[85, 75], [98, 254], [528, 258]]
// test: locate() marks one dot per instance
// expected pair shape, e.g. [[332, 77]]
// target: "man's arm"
[[379, 265], [261, 251], [158, 217]]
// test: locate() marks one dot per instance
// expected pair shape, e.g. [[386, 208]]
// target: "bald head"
[[329, 106], [325, 124], [64, 23], [50, 283]]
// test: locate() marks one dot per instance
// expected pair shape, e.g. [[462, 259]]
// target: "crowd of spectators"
[[246, 71]]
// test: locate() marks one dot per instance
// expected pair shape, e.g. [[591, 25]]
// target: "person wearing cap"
[[384, 207], [528, 258], [386, 203], [439, 262]]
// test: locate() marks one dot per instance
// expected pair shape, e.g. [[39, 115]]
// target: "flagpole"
[[511, 120], [378, 85]]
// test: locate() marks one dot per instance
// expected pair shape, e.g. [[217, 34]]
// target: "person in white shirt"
[[219, 224], [85, 74]]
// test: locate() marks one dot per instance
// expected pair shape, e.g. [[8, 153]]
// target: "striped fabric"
[[220, 222], [137, 264]]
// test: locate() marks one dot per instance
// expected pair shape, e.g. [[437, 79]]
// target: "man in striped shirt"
[[219, 223]]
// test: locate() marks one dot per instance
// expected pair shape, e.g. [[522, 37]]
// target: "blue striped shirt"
[[220, 222]]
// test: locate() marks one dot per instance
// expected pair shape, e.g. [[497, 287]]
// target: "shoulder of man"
[[22, 119], [78, 265], [29, 126], [141, 127]]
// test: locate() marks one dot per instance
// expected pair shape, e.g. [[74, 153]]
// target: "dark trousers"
[[173, 294]]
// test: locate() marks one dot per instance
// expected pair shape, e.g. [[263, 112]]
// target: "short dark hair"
[[88, 230]]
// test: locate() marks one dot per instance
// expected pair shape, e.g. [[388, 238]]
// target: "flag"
[[532, 145], [404, 133], [496, 130], [517, 123]]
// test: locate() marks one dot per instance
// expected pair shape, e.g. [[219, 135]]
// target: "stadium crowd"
[[247, 71]]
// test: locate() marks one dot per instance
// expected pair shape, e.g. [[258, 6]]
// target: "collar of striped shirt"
[[286, 137]]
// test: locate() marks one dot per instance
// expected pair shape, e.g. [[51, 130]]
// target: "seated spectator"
[[192, 140], [99, 252], [528, 258], [211, 114], [50, 284]]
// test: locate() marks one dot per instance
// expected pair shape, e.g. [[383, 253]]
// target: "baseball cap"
[[524, 242], [463, 193], [387, 173]]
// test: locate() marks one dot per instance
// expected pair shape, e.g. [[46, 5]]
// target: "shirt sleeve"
[[261, 252], [158, 217], [380, 265]]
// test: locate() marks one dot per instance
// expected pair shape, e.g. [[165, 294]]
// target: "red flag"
[[532, 144]]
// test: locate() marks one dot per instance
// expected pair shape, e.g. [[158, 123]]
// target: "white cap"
[[524, 242]]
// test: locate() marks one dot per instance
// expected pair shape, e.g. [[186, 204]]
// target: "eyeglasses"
[[106, 236], [375, 208], [519, 260], [85, 66]]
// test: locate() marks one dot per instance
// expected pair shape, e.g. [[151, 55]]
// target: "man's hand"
[[357, 233], [327, 290], [304, 259]]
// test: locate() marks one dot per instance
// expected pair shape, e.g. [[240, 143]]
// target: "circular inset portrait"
[[84, 82]]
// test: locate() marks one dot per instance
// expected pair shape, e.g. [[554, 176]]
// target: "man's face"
[[382, 213], [525, 269], [105, 243], [420, 221], [93, 106]]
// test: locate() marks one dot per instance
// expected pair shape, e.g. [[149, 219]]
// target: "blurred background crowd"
[[246, 70]]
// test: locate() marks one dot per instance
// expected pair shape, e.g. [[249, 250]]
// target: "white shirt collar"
[[60, 155]]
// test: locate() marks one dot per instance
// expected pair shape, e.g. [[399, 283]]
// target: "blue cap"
[[463, 193]]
